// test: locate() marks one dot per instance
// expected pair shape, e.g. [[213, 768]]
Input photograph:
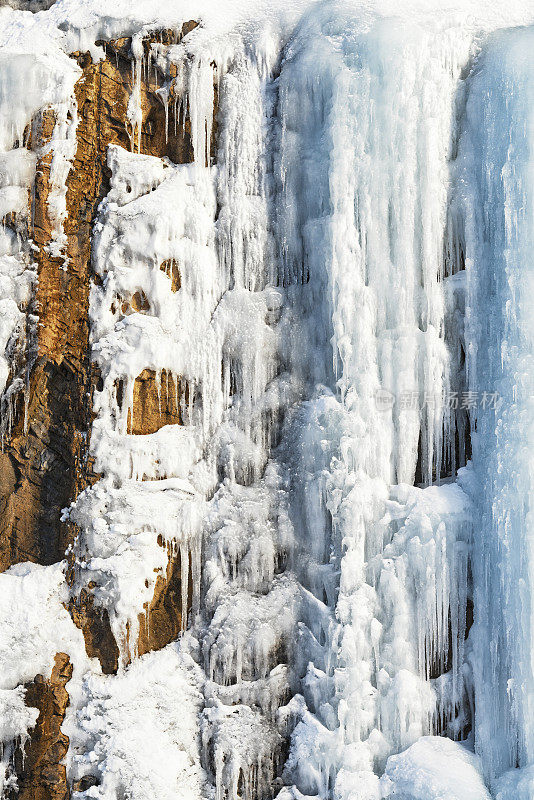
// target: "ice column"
[[497, 158], [250, 601], [366, 115]]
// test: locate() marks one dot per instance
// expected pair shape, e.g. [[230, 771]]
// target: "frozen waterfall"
[[351, 348], [495, 181]]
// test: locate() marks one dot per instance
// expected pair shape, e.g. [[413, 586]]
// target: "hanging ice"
[[314, 301], [362, 220], [496, 159]]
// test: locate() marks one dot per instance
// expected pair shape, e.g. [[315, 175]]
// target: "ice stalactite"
[[245, 242], [135, 111], [251, 607], [251, 600], [283, 250], [214, 340], [63, 146]]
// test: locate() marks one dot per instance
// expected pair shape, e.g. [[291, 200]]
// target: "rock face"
[[44, 468], [94, 623], [41, 773], [172, 270], [155, 403], [162, 622], [45, 463]]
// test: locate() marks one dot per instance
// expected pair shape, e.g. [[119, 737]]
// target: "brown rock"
[[154, 406], [94, 623], [162, 621], [170, 268], [40, 771]]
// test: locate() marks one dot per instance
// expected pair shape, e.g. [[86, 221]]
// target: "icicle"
[[63, 145], [184, 568], [134, 111]]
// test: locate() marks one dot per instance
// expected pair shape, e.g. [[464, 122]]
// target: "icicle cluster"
[[319, 296], [363, 225]]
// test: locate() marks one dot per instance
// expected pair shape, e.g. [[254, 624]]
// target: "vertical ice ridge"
[[363, 168], [250, 598], [496, 159]]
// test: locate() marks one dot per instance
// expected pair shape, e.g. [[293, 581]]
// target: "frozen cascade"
[[498, 193], [377, 221], [344, 260]]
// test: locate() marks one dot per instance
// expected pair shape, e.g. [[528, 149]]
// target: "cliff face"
[[45, 460], [44, 467], [235, 341]]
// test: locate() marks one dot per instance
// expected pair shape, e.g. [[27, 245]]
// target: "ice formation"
[[499, 236], [350, 324], [35, 626]]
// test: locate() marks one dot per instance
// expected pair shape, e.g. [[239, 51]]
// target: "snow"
[[317, 481], [16, 719], [434, 768], [516, 784], [130, 534], [35, 623], [16, 716], [34, 626], [136, 733]]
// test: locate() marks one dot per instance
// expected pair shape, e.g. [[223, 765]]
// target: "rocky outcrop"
[[156, 402], [45, 461], [163, 620], [45, 467], [94, 624], [40, 769], [172, 271]]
